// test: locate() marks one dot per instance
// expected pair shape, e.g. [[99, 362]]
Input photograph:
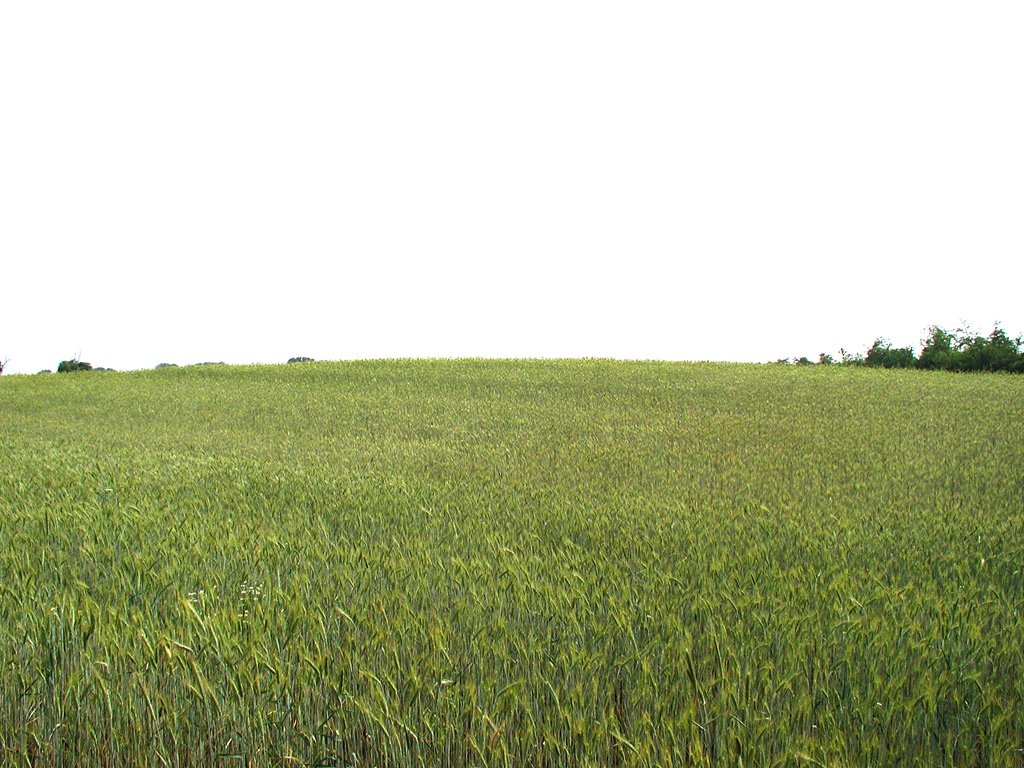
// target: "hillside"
[[512, 563]]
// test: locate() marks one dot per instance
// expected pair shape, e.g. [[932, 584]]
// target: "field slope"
[[503, 563]]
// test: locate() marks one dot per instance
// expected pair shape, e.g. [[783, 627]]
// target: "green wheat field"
[[512, 563]]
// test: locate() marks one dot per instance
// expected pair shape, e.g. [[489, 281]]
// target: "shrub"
[[962, 350], [997, 352], [70, 366], [883, 355], [938, 351], [849, 358], [301, 360]]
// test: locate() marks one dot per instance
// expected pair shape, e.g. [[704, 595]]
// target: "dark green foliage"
[[962, 350], [884, 355], [301, 360], [70, 366], [941, 350], [938, 351], [167, 365], [997, 352]]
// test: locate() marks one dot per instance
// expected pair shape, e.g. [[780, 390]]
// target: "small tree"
[[825, 358]]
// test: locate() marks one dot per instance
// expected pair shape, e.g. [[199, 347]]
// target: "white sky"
[[249, 181]]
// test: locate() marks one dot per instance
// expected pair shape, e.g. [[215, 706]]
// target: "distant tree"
[[958, 350], [803, 361], [883, 355], [301, 360], [996, 352], [825, 359], [2, 364], [69, 366], [939, 350], [167, 365]]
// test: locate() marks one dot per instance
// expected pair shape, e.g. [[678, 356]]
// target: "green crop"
[[529, 563]]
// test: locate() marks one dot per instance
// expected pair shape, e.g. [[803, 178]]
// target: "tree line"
[[74, 365], [941, 350]]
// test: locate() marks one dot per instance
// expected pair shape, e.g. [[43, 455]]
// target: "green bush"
[[884, 355], [939, 351], [962, 350], [70, 366], [997, 352]]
